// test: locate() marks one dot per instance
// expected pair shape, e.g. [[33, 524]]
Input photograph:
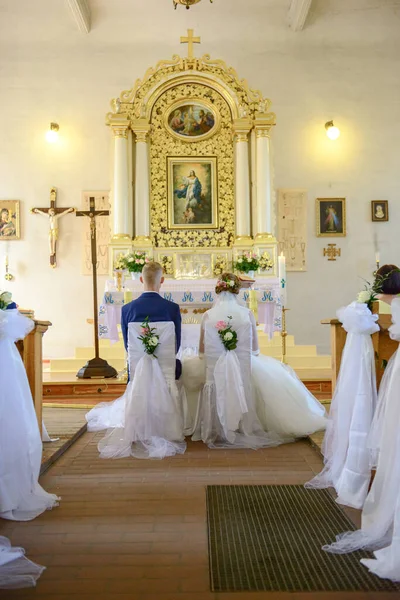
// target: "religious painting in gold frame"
[[9, 220], [331, 217], [192, 192], [192, 120]]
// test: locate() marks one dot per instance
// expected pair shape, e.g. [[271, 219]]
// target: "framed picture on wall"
[[379, 210], [9, 220], [192, 193], [331, 217]]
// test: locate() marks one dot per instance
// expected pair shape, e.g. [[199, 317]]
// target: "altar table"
[[194, 297]]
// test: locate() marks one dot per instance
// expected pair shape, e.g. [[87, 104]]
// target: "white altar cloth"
[[194, 297]]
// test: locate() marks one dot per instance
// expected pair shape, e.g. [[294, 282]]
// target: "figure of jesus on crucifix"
[[53, 214]]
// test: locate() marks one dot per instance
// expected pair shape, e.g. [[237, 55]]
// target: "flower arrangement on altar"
[[265, 262], [247, 262], [221, 265], [167, 264], [5, 300], [227, 335], [149, 338], [135, 261]]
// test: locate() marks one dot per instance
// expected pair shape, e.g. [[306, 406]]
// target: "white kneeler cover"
[[380, 522], [347, 457], [151, 425]]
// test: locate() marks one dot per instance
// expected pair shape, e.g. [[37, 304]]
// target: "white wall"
[[345, 65]]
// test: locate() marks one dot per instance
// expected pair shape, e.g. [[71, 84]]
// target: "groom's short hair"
[[152, 273]]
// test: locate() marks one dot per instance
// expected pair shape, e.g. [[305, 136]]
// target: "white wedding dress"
[[21, 496], [283, 405], [380, 520]]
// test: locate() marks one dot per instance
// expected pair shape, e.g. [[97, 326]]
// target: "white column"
[[122, 225], [264, 184], [242, 182], [142, 186]]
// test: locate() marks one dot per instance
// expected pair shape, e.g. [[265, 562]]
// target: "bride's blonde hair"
[[228, 282]]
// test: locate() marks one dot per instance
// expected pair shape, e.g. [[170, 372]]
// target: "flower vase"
[[135, 275], [250, 274]]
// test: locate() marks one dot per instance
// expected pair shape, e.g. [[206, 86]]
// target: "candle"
[[128, 296], [377, 257], [282, 278], [6, 261]]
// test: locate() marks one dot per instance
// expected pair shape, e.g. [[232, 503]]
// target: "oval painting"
[[191, 120]]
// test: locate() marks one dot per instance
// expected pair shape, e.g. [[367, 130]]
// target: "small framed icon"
[[380, 210]]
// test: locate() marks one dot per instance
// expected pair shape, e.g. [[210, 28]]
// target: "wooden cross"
[[96, 367], [53, 213], [190, 40]]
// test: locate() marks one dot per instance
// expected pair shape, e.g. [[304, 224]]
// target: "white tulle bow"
[[357, 318]]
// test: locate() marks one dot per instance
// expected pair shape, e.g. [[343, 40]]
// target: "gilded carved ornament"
[[135, 104]]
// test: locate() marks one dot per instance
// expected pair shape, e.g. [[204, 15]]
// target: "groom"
[[151, 304]]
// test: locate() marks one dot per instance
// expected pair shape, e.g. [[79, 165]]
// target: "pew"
[[31, 352], [384, 346]]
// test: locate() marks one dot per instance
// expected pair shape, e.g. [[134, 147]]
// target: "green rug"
[[269, 538]]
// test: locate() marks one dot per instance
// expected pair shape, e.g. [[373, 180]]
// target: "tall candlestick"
[[6, 261], [377, 258], [282, 278]]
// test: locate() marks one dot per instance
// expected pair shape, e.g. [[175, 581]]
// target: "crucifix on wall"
[[53, 214]]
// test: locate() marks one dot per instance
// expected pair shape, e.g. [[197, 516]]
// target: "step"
[[108, 353], [68, 365], [276, 351]]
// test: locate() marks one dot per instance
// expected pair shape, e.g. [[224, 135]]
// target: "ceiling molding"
[[81, 13], [298, 13]]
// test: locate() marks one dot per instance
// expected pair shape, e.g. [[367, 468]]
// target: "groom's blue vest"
[[152, 305]]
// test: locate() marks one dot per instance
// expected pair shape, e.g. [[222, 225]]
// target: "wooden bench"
[[384, 346], [31, 352]]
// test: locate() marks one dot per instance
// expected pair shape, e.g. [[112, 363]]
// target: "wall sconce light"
[[52, 134], [331, 131]]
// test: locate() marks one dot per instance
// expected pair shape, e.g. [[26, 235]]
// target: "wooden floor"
[[131, 529]]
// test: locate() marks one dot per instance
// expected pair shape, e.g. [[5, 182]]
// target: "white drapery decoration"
[[16, 571], [380, 523], [346, 454], [148, 420], [226, 415], [21, 496]]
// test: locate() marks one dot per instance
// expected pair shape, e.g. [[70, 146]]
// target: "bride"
[[284, 406]]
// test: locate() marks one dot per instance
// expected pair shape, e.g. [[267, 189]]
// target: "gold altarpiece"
[[238, 143]]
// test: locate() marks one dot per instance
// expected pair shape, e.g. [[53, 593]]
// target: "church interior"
[[254, 137]]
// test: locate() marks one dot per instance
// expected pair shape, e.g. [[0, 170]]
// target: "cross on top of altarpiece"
[[190, 40]]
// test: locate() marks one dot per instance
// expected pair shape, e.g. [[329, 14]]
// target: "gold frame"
[[12, 205], [384, 203], [171, 160], [318, 202], [200, 102]]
